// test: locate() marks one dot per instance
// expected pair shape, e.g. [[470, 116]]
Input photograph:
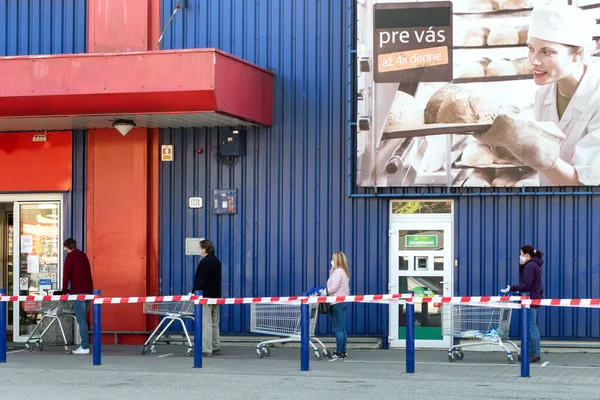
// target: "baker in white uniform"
[[565, 147]]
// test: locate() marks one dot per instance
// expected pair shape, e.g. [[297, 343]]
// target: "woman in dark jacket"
[[530, 280]]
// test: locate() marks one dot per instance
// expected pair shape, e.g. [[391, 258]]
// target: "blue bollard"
[[304, 336], [3, 305], [97, 331], [410, 338], [198, 332], [525, 342]]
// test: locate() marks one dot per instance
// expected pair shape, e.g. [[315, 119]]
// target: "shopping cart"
[[487, 324], [283, 319], [172, 311], [51, 310]]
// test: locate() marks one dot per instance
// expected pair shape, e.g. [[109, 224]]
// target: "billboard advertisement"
[[478, 93]]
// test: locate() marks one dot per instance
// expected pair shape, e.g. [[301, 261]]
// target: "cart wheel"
[[326, 353], [28, 347], [519, 357], [510, 358], [145, 350], [266, 350], [39, 346], [259, 352], [318, 355], [459, 354], [189, 352], [451, 357], [67, 350]]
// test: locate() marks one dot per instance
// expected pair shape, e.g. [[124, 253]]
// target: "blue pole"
[[525, 342], [304, 336], [97, 331], [3, 305], [198, 332], [410, 338]]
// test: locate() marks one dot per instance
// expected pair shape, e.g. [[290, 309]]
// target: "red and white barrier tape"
[[563, 302], [466, 299], [372, 298], [70, 297]]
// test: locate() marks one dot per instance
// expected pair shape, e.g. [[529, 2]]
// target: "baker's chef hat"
[[562, 24]]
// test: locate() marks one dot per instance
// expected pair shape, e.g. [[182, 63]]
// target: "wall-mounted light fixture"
[[123, 126]]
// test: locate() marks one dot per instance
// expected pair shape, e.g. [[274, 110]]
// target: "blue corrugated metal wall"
[[490, 231], [42, 27], [294, 210], [51, 27]]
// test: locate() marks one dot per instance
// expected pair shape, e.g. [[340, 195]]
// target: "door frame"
[[412, 221], [24, 198]]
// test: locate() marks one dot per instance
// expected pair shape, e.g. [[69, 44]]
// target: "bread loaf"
[[475, 37], [477, 155], [405, 113], [523, 34], [503, 35], [500, 68], [463, 107], [433, 105], [514, 4], [478, 179], [522, 66], [474, 6], [469, 70]]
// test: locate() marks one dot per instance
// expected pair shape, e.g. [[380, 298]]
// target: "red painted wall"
[[28, 166], [122, 192]]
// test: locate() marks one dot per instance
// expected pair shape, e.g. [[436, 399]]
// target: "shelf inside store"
[[502, 46], [492, 13], [437, 129]]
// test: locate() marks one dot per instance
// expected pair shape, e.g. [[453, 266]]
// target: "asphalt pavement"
[[239, 374]]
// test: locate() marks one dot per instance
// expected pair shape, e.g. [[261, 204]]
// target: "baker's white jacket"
[[580, 124]]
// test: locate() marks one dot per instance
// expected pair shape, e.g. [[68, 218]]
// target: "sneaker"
[[336, 356], [344, 355], [217, 352], [207, 354], [535, 359], [81, 351]]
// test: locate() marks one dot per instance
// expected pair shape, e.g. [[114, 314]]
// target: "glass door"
[[36, 259], [421, 263]]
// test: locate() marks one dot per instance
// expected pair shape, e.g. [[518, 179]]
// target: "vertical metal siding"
[[293, 208], [293, 204], [490, 232], [42, 27]]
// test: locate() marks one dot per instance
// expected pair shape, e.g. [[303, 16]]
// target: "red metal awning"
[[159, 89]]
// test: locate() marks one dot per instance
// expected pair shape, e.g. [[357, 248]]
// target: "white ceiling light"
[[123, 126]]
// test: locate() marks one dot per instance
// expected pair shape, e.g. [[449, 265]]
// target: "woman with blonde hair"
[[338, 284]]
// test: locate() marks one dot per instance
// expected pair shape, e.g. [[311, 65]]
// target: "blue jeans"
[[534, 332], [338, 320], [81, 308]]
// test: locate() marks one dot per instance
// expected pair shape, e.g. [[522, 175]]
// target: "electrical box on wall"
[[232, 142], [225, 201]]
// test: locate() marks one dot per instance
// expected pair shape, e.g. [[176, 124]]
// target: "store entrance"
[[30, 255]]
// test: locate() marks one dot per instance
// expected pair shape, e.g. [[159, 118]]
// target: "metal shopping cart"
[[53, 311], [484, 324], [283, 319], [172, 311]]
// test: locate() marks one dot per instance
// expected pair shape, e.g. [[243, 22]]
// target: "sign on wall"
[[447, 96]]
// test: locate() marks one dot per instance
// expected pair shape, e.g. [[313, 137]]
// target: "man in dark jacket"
[[78, 273], [208, 279]]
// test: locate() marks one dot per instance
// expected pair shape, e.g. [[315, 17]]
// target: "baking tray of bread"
[[438, 129]]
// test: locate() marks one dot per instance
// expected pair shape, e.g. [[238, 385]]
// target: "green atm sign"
[[421, 241]]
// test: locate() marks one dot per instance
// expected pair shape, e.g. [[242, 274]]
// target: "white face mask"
[[332, 264], [523, 259]]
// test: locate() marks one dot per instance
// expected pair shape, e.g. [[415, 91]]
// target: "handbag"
[[324, 308]]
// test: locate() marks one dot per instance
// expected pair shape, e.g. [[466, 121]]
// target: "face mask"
[[523, 259], [332, 263]]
